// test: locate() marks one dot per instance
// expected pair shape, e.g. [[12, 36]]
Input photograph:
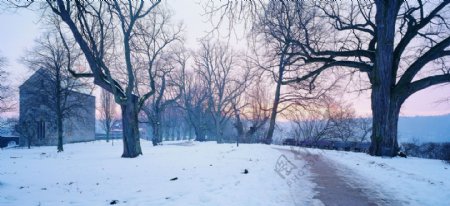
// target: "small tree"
[[52, 59], [333, 120], [5, 89], [253, 114], [342, 121], [108, 114], [218, 68], [310, 126]]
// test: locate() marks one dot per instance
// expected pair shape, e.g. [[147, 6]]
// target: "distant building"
[[8, 136], [117, 131], [37, 120]]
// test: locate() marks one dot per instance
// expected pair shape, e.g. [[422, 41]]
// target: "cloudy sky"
[[19, 29]]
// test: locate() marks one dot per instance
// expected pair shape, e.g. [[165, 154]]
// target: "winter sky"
[[19, 29]]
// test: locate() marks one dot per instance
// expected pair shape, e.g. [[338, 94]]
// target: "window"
[[41, 129]]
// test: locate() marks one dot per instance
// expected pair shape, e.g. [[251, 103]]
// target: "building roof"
[[45, 73]]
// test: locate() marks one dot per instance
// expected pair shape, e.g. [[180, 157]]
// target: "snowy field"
[[192, 173], [94, 174]]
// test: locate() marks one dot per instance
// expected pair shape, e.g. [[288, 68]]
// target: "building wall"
[[81, 127], [36, 107]]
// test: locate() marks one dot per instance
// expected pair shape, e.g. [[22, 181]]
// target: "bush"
[[411, 149], [428, 150], [445, 152]]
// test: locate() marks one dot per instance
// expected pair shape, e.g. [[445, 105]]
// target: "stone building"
[[37, 122]]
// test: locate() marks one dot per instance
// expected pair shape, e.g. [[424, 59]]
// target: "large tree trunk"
[[131, 141], [384, 143], [392, 141], [388, 144]]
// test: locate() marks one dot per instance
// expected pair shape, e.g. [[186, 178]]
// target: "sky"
[[19, 29]]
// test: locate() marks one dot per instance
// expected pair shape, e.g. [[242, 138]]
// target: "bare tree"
[[402, 46], [342, 119], [279, 60], [5, 90], [366, 41], [309, 126], [218, 69], [107, 112], [332, 120], [106, 32], [51, 60], [363, 129], [253, 114], [194, 102], [167, 95], [156, 35], [273, 33]]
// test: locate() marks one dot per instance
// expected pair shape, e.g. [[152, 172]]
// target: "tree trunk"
[[240, 130], [384, 143], [59, 116], [384, 133], [276, 101], [392, 141], [156, 125], [107, 135], [59, 123], [199, 134], [29, 141], [131, 142], [219, 136]]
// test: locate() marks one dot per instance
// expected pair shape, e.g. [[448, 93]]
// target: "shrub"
[[445, 152]]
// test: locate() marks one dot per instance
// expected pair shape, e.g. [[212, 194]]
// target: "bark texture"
[[130, 125], [384, 139]]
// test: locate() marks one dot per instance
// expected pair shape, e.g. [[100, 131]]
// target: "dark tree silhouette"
[[107, 34], [5, 90]]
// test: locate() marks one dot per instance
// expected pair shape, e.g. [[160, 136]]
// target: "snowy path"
[[334, 189]]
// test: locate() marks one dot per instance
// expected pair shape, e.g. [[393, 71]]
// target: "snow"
[[411, 181], [207, 174], [94, 174]]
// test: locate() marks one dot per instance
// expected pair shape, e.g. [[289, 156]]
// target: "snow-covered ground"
[[94, 174], [206, 174]]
